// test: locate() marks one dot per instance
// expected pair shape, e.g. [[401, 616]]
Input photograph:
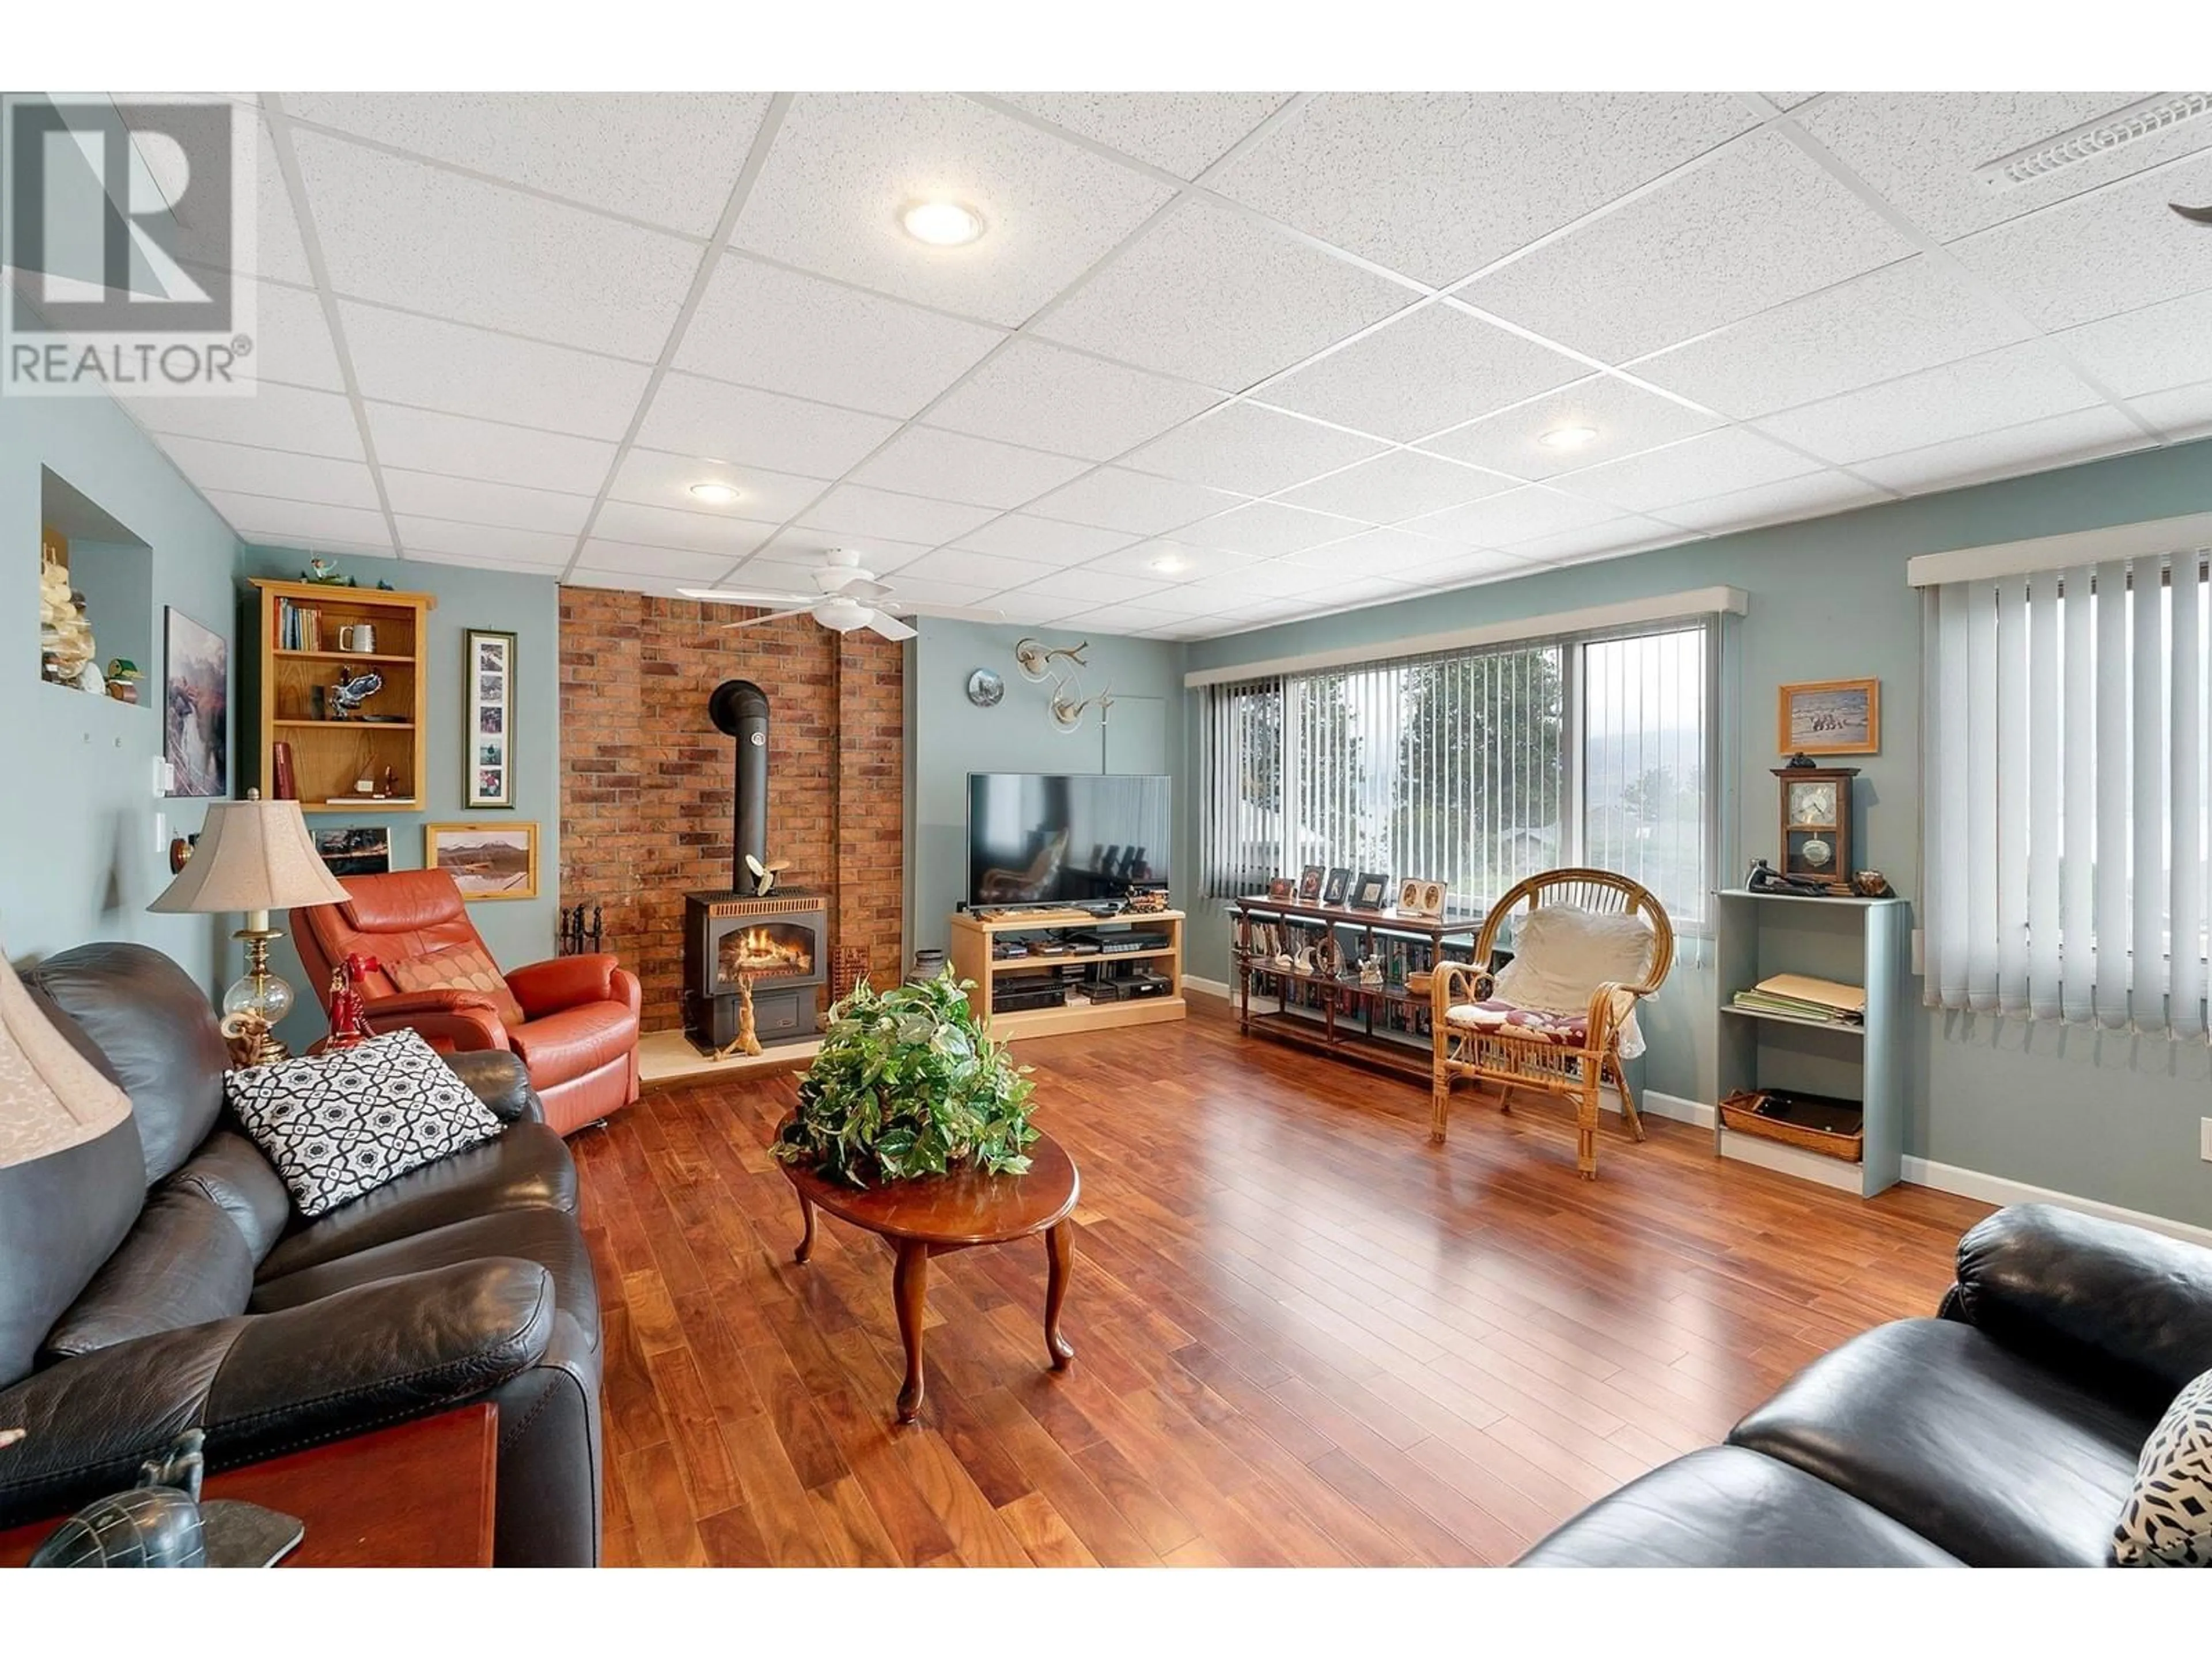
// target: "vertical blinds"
[[1475, 768], [2065, 751]]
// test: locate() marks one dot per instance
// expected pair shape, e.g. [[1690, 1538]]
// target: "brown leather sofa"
[[159, 1279], [578, 1034]]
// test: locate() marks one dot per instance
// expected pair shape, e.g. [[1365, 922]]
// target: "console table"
[[1385, 1025]]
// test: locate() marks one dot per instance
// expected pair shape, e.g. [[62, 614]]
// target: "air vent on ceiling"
[[2124, 126]]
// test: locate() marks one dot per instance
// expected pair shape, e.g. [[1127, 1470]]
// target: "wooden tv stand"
[[970, 956]]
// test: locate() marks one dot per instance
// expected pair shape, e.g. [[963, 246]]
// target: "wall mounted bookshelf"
[[298, 625]]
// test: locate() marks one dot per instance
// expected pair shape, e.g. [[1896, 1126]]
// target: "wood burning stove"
[[780, 938]]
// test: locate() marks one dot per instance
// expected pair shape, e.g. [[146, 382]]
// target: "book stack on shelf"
[[298, 627], [1802, 997]]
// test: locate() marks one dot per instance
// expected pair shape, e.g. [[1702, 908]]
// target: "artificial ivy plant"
[[907, 1084]]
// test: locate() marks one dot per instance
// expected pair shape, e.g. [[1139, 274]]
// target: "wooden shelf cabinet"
[[329, 756], [969, 955]]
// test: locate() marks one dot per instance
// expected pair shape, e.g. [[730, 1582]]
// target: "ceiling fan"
[[850, 598]]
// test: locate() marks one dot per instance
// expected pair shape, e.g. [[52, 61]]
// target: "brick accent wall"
[[645, 779]]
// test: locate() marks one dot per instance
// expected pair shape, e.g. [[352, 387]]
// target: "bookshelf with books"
[[1318, 1000], [314, 638], [1790, 1029]]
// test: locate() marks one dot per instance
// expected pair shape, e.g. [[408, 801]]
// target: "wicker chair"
[[1569, 1058]]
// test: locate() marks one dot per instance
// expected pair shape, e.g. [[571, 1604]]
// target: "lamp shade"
[[254, 855]]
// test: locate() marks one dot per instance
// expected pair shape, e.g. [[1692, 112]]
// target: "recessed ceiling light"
[[1169, 562], [716, 494], [942, 224], [1568, 437]]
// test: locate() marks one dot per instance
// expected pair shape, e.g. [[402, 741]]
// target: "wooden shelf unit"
[[1856, 942], [329, 755], [1343, 1021], [969, 954]]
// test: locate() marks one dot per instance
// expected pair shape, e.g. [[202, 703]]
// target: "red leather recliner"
[[578, 1038]]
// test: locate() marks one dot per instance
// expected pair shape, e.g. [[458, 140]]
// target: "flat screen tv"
[[1046, 838]]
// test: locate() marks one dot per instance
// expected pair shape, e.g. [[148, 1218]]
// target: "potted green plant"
[[909, 1083]]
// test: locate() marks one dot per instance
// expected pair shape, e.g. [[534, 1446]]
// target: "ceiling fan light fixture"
[[942, 223], [2141, 120], [1568, 437], [716, 494]]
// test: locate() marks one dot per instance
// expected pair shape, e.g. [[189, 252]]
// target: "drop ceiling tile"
[[1168, 561], [274, 417], [844, 165], [1222, 298], [1920, 149], [692, 417], [433, 242], [1267, 530], [1759, 224], [652, 477], [2031, 446], [470, 561], [243, 471], [432, 496], [1708, 464], [401, 358], [1997, 389], [784, 330], [1463, 568], [444, 539], [1810, 497], [761, 575], [300, 524], [1093, 586], [854, 509], [953, 466], [1626, 418], [1917, 314], [1033, 608], [1256, 451], [1065, 401], [423, 440], [1396, 485], [1126, 619], [1515, 516], [667, 526], [666, 588], [1615, 538], [666, 564], [277, 252], [1438, 184], [2184, 412], [962, 595], [1185, 132], [1421, 372], [978, 569], [2148, 351], [292, 339], [2114, 250], [1789, 100], [1271, 582], [670, 158], [1388, 552], [805, 548], [1043, 541], [1113, 498]]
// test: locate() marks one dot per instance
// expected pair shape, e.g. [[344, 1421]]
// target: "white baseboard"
[[1210, 987], [1998, 1189], [1682, 1110]]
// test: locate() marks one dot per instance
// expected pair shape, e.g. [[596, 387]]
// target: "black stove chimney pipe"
[[740, 709]]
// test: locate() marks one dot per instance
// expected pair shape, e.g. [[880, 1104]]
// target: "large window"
[[2066, 780], [1478, 768]]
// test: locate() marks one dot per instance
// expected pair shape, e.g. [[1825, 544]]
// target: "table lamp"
[[254, 855]]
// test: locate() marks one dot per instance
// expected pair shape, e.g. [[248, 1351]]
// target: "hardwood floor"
[[1304, 1336]]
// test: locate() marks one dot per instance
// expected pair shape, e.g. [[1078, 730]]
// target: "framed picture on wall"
[[361, 851], [486, 860], [195, 707], [1831, 717], [488, 719]]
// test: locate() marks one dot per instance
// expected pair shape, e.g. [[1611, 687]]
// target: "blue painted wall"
[[2103, 1117]]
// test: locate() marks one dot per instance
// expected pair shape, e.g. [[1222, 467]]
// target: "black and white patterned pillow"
[[2168, 1519], [337, 1126]]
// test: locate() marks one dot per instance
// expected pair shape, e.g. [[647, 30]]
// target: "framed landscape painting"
[[488, 719], [1831, 717], [486, 860], [195, 707]]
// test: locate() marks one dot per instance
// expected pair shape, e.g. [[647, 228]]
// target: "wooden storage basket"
[[1740, 1112]]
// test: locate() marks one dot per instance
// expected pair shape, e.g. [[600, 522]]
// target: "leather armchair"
[[577, 1035]]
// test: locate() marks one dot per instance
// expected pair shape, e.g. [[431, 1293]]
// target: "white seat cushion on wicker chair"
[[1561, 954]]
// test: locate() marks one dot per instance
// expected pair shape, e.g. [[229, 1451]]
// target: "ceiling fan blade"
[[772, 616], [746, 596], [958, 612], [2201, 215], [890, 627]]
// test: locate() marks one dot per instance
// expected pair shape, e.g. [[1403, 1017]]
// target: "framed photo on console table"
[[488, 719]]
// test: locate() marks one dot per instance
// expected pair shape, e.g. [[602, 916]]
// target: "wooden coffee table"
[[936, 1214]]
